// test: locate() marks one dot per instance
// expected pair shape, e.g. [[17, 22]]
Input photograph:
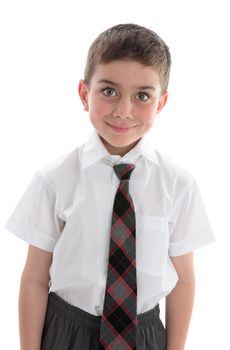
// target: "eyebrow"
[[110, 82]]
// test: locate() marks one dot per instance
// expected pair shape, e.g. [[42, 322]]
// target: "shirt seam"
[[46, 180], [175, 202]]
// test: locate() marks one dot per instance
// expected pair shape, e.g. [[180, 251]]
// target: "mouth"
[[121, 128]]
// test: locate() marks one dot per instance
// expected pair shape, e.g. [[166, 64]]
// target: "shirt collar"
[[94, 150]]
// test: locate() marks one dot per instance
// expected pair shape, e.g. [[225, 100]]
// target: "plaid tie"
[[119, 319]]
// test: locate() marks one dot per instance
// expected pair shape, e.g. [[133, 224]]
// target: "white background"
[[43, 50]]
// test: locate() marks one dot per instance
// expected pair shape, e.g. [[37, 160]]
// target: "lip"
[[121, 128]]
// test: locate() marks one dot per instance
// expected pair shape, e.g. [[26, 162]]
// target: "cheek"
[[147, 114], [98, 109]]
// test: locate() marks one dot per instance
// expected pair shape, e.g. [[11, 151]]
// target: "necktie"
[[119, 319]]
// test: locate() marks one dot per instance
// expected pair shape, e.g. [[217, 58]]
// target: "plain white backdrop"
[[43, 50]]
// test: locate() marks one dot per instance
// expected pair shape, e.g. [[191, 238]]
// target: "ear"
[[83, 92], [162, 101]]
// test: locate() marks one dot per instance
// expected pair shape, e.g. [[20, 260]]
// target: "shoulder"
[[171, 169], [167, 169], [173, 176], [63, 169]]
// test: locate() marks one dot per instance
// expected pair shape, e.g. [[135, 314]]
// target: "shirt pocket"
[[152, 242]]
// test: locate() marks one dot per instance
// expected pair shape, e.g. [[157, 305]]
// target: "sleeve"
[[35, 218], [190, 227]]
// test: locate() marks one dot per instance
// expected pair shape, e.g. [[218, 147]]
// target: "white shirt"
[[67, 210]]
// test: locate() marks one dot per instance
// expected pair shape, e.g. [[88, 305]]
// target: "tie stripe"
[[119, 319]]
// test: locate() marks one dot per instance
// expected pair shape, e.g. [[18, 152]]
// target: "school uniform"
[[67, 210]]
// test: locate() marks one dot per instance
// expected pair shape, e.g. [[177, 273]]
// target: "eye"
[[143, 96], [110, 92]]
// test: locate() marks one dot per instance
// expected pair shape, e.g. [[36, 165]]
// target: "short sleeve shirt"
[[67, 210]]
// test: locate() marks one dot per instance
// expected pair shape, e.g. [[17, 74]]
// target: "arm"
[[33, 297], [179, 303]]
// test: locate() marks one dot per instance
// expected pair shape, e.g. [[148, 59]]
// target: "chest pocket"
[[152, 242]]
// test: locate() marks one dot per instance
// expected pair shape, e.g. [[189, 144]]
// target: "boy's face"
[[123, 100]]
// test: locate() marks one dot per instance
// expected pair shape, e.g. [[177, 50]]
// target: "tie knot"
[[123, 171]]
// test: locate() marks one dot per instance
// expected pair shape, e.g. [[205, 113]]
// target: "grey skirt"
[[67, 327]]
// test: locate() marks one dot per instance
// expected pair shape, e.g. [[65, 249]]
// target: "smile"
[[121, 129]]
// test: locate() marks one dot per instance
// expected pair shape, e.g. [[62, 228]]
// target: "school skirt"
[[67, 327]]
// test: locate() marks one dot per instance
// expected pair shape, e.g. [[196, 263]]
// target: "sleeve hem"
[[191, 243], [30, 235]]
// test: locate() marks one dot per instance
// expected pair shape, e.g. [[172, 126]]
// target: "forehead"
[[126, 73]]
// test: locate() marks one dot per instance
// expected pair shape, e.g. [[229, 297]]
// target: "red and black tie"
[[119, 319]]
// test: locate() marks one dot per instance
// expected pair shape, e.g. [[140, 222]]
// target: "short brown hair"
[[130, 41]]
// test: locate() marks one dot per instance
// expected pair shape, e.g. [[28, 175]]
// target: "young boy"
[[70, 279]]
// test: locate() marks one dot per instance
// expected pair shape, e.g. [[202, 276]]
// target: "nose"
[[123, 108]]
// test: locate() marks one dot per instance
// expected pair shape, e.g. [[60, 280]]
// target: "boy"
[[65, 216]]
